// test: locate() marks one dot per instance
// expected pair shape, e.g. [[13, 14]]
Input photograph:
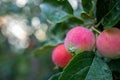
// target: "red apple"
[[108, 43], [79, 39], [60, 56]]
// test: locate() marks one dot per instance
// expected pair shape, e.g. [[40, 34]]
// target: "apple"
[[60, 56], [108, 43], [79, 39]]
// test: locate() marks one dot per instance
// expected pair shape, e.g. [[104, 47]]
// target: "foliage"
[[99, 14], [35, 63]]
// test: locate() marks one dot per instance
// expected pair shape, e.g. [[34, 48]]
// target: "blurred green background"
[[23, 28]]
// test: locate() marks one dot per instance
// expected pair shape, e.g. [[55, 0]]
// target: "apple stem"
[[97, 24], [95, 30]]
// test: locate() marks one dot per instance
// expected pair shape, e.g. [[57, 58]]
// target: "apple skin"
[[108, 43], [60, 56], [79, 39]]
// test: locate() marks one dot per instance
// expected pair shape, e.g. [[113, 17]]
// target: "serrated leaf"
[[56, 11], [85, 66], [55, 76], [113, 16]]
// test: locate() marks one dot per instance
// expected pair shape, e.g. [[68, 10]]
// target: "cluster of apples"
[[80, 39]]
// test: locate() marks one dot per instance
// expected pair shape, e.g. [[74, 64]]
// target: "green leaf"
[[97, 69], [114, 65], [56, 11], [59, 30], [88, 20], [87, 5], [113, 15], [77, 64], [86, 16], [74, 21], [44, 49], [85, 66], [55, 77], [101, 9], [79, 10], [64, 4]]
